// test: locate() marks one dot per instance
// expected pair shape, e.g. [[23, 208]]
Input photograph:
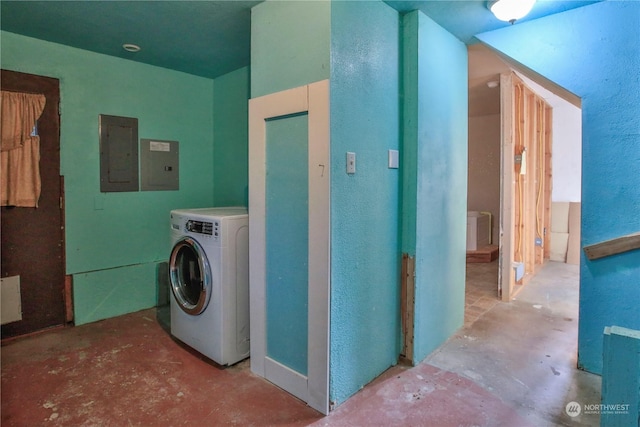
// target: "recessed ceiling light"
[[131, 47]]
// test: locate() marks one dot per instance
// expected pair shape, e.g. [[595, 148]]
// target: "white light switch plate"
[[394, 160], [351, 163]]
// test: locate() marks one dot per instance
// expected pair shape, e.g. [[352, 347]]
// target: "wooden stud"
[[68, 298], [506, 280], [548, 174], [530, 198], [540, 180], [407, 305], [530, 188], [615, 246]]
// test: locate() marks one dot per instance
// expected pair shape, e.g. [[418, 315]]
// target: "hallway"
[[512, 364], [525, 352]]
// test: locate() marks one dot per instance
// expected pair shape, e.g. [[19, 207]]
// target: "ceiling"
[[212, 38], [205, 38]]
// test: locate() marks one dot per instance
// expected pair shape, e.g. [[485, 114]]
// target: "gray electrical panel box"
[[159, 165], [118, 153]]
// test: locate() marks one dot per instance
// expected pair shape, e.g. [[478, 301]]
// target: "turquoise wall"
[[289, 45], [435, 177], [287, 241], [594, 52], [114, 240], [231, 138], [289, 48], [356, 45], [621, 377], [365, 257]]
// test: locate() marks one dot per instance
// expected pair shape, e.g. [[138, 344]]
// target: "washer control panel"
[[203, 227]]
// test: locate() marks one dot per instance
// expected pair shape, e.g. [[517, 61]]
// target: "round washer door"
[[190, 276]]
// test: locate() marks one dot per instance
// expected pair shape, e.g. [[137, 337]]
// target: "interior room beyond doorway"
[[524, 177]]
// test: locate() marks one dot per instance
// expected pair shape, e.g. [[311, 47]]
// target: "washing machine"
[[209, 280]]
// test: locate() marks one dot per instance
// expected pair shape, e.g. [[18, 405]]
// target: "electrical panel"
[[118, 153], [159, 163]]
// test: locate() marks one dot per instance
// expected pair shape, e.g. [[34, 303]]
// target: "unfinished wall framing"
[[526, 184], [407, 305]]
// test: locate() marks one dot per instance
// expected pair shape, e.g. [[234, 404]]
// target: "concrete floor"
[[512, 364], [525, 351]]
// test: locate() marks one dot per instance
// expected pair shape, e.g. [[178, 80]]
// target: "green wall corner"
[[107, 233], [231, 138], [109, 293]]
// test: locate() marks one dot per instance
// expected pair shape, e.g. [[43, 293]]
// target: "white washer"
[[209, 273]]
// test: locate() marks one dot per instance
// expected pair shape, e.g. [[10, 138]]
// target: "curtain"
[[20, 151]]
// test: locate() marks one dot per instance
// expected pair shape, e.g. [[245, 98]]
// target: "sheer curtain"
[[20, 150]]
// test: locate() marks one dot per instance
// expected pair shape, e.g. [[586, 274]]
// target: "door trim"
[[313, 99], [45, 305]]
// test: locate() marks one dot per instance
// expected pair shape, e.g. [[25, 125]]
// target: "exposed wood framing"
[[68, 298], [507, 188], [548, 173], [407, 301], [529, 225], [540, 120], [526, 182]]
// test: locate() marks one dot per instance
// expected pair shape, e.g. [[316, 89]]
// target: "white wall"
[[567, 145], [484, 168]]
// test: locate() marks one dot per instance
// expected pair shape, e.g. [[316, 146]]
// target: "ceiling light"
[[493, 84], [131, 47], [510, 10]]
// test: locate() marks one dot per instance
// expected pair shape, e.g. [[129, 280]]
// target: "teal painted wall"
[[287, 241], [231, 138], [107, 293], [365, 257], [594, 52], [296, 43], [621, 377], [113, 240], [289, 45], [289, 48], [435, 177]]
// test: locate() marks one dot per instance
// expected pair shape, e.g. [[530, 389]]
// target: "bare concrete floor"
[[512, 364], [525, 351]]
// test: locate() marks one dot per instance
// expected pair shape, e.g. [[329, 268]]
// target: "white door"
[[289, 233]]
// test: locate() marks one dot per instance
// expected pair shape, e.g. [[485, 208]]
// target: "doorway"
[[496, 85], [33, 245], [289, 207]]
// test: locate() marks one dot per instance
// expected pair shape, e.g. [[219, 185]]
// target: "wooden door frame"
[[50, 87], [314, 99]]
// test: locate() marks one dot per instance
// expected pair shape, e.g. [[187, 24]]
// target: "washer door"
[[190, 276]]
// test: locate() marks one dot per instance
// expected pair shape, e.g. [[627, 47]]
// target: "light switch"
[[393, 159], [351, 163]]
